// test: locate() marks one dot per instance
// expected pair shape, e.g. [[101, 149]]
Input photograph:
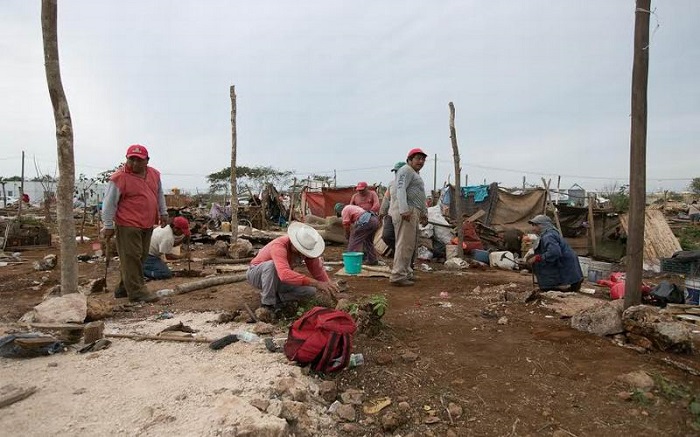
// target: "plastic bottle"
[[356, 360], [248, 337]]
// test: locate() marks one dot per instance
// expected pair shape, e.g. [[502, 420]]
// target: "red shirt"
[[138, 198], [351, 214], [279, 251], [369, 201]]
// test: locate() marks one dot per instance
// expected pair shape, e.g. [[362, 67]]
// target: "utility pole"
[[234, 189], [638, 152]]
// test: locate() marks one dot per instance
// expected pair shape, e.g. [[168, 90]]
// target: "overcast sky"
[[541, 88]]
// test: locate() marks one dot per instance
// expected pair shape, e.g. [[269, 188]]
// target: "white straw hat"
[[306, 239]]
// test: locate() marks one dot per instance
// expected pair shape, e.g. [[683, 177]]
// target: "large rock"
[[71, 308], [664, 333], [603, 319], [240, 249]]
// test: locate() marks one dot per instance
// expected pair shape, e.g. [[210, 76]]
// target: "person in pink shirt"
[[365, 198], [272, 270], [360, 227], [133, 204]]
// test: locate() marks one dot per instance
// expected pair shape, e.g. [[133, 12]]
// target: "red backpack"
[[321, 337]]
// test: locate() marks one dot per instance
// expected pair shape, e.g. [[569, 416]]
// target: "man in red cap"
[[365, 198], [133, 203], [163, 240], [411, 201]]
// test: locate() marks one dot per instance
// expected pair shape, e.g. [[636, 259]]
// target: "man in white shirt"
[[163, 241]]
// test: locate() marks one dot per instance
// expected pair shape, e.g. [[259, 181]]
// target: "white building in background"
[[35, 191]]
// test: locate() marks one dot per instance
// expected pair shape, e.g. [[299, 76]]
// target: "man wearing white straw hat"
[[272, 270]]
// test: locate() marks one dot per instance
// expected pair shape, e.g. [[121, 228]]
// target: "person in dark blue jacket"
[[554, 263]]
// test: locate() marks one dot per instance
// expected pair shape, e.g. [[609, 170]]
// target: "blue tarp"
[[481, 192]]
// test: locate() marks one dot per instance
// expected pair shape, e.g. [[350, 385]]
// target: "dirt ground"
[[444, 341]]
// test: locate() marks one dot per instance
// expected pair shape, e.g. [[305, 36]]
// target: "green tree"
[[619, 197], [695, 186], [253, 177]]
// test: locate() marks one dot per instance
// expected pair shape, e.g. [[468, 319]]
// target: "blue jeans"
[[155, 268]]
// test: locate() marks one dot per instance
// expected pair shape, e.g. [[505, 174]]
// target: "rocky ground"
[[453, 358]]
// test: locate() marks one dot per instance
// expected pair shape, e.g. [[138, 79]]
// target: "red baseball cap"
[[137, 151], [416, 151], [182, 224], [361, 186]]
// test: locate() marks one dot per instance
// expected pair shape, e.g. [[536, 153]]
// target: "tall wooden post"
[[291, 199], [21, 192], [64, 143], [591, 225], [234, 190], [458, 180], [638, 152]]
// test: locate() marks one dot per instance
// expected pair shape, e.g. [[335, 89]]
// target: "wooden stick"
[[139, 337], [208, 282], [15, 394], [226, 261], [250, 312]]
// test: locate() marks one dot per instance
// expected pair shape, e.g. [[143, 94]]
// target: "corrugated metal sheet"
[[659, 241]]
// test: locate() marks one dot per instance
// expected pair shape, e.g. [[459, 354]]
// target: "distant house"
[[35, 191]]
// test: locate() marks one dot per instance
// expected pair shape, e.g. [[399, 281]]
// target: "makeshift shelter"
[[321, 202], [503, 209], [659, 241]]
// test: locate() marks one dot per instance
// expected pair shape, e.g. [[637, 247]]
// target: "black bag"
[[666, 293]]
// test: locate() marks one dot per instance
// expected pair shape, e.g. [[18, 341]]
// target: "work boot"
[[120, 292], [402, 283]]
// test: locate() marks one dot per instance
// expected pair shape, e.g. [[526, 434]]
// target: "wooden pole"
[[638, 144], [591, 225], [458, 179], [234, 190], [64, 143], [21, 192], [291, 200], [435, 174]]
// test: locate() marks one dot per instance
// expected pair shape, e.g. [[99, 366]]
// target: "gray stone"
[[294, 411], [409, 357], [260, 404], [352, 396], [390, 421], [328, 390], [71, 308], [455, 410], [263, 328], [346, 413], [664, 333], [266, 426], [240, 249], [638, 379], [221, 248], [603, 319]]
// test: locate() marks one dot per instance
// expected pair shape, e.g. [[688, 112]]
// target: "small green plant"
[[353, 309], [669, 390], [379, 304], [640, 397], [689, 237], [694, 408]]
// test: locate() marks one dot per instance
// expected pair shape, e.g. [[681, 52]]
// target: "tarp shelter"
[[321, 203], [503, 209]]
